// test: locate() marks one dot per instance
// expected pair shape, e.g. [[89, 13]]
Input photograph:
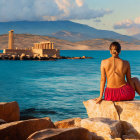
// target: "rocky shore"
[[107, 121], [28, 57]]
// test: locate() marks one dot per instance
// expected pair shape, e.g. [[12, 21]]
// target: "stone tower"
[[11, 39]]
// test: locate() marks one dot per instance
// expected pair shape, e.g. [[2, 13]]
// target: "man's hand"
[[98, 100]]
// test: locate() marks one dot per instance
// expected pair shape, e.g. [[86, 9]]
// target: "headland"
[[40, 51]]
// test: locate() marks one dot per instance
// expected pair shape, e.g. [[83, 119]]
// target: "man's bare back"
[[115, 71]]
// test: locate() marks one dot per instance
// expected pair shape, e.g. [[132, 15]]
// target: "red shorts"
[[123, 93]]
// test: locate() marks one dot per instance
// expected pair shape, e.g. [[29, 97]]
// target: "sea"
[[57, 89]]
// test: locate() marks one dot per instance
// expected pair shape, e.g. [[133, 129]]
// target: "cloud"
[[79, 3], [131, 26], [137, 20], [124, 24], [33, 10]]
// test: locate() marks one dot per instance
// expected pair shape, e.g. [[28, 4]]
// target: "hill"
[[27, 40]]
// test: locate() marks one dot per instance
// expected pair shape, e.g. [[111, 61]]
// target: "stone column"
[[34, 45], [38, 46], [52, 45], [11, 39], [49, 45], [46, 45], [43, 45]]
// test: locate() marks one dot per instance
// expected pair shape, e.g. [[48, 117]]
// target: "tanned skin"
[[114, 70]]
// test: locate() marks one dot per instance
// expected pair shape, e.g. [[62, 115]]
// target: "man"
[[114, 70]]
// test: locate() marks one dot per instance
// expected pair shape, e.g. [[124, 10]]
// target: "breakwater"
[[28, 57]]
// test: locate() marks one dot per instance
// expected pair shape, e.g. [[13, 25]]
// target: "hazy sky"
[[122, 16]]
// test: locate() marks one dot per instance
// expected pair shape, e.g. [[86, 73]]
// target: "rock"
[[83, 57], [74, 122], [76, 57], [105, 109], [63, 134], [129, 112], [15, 57], [2, 121], [23, 56], [106, 128], [20, 130], [9, 112]]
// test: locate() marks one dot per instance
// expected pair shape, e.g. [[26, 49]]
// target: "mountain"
[[49, 27], [103, 44], [70, 36], [137, 36], [27, 40]]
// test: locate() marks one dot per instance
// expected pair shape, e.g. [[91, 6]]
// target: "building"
[[41, 49]]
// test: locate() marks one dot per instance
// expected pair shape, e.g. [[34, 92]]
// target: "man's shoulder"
[[105, 60], [126, 62]]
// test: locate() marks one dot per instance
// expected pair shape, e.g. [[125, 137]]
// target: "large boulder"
[[74, 122], [20, 130], [128, 112], [75, 133], [107, 129], [9, 111], [105, 109]]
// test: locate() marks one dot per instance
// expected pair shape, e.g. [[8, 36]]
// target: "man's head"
[[115, 48]]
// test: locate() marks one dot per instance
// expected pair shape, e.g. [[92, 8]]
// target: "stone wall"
[[40, 52], [17, 52], [51, 52], [37, 52]]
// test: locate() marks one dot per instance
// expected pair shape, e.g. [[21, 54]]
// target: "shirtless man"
[[114, 70]]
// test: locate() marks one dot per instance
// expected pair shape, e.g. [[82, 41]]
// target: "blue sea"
[[56, 89]]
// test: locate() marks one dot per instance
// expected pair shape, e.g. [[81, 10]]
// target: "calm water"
[[57, 88]]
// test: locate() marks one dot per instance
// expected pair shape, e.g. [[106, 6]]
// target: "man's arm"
[[103, 79], [102, 82], [128, 76]]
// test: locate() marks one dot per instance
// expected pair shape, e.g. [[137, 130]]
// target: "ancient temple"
[[43, 45], [41, 49]]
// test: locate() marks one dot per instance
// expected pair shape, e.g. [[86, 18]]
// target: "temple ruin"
[[41, 49]]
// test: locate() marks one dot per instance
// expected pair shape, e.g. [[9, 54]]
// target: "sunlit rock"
[[105, 109], [75, 133], [107, 129], [129, 112], [74, 122], [9, 111], [20, 130]]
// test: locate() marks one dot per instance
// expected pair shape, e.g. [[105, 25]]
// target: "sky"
[[122, 16]]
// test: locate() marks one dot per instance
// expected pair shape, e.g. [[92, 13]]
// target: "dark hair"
[[116, 45]]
